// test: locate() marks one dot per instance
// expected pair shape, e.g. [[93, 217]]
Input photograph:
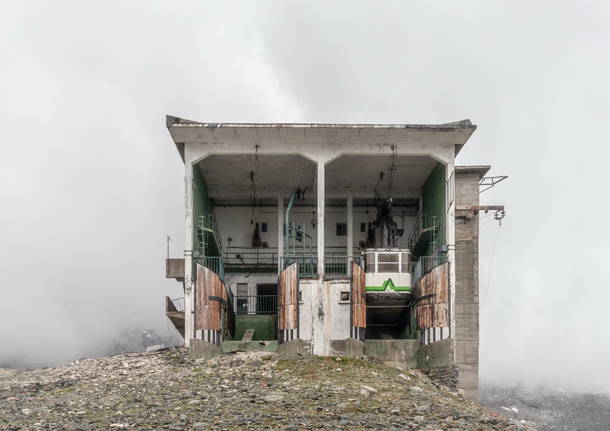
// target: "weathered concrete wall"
[[306, 308], [199, 349], [247, 346], [174, 268], [436, 360], [404, 351], [339, 310], [466, 310], [435, 354]]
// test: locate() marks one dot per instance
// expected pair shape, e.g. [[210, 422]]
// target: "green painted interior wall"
[[433, 201], [202, 205], [264, 326], [410, 330]]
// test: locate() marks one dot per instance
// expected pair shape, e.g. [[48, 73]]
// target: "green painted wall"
[[202, 205], [433, 201], [264, 326]]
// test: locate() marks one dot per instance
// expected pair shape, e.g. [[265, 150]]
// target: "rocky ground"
[[168, 390], [552, 409]]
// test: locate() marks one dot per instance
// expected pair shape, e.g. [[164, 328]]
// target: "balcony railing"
[[250, 256], [335, 266], [256, 304], [339, 266], [214, 263], [308, 265]]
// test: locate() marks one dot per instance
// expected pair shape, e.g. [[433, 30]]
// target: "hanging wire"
[[252, 196], [377, 185], [491, 264], [391, 170], [253, 183]]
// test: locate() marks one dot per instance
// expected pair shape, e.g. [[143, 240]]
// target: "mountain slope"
[[167, 390], [550, 409]]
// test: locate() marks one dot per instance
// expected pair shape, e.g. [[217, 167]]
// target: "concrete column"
[[320, 225], [450, 235], [280, 232], [350, 231], [189, 285]]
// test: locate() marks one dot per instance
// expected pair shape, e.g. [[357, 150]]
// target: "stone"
[[367, 391], [273, 398]]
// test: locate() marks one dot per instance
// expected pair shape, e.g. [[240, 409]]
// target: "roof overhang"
[[187, 131], [480, 170]]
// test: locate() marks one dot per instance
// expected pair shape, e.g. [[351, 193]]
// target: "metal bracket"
[[216, 298]]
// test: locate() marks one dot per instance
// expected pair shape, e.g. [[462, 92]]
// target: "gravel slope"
[[167, 390]]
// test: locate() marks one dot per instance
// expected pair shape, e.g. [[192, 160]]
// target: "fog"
[[91, 183]]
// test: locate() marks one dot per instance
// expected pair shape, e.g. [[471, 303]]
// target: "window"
[[341, 229], [362, 227], [264, 227]]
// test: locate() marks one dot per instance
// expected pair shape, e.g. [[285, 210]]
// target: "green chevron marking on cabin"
[[388, 285]]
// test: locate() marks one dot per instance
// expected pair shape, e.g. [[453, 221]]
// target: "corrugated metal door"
[[358, 303], [288, 304], [212, 309]]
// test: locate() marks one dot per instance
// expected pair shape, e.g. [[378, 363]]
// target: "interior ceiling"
[[359, 174], [228, 176], [229, 183]]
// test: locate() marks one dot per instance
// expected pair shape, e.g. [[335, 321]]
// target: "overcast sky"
[[91, 183]]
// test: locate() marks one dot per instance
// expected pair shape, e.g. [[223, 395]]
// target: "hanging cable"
[[377, 185], [391, 170], [491, 264], [252, 196]]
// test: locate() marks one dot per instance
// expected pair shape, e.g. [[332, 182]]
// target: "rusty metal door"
[[288, 304], [358, 303], [212, 308]]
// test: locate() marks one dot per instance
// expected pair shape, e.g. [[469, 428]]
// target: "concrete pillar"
[[280, 232], [350, 232], [320, 322], [189, 285], [450, 236], [320, 224]]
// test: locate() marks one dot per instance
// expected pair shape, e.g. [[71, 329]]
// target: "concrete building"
[[347, 237]]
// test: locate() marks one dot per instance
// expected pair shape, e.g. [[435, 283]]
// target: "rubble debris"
[[250, 390]]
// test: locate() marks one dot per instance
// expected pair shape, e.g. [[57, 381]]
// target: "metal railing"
[[207, 225], [425, 264], [250, 256], [308, 265], [214, 263], [175, 304], [424, 223], [243, 256], [256, 304], [339, 266]]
